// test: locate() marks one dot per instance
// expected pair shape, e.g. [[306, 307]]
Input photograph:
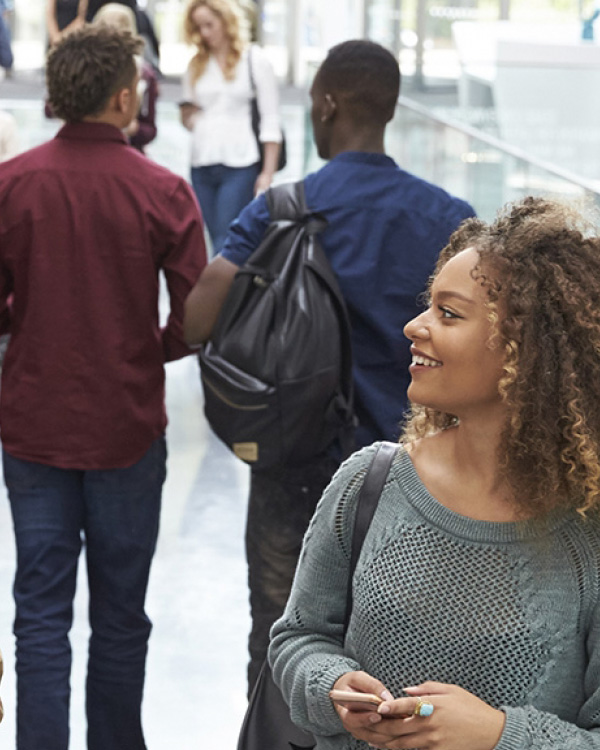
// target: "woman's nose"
[[417, 328]]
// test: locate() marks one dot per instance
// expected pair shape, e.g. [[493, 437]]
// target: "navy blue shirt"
[[386, 230]]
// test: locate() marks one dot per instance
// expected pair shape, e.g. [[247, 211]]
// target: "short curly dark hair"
[[540, 264], [87, 67], [367, 75]]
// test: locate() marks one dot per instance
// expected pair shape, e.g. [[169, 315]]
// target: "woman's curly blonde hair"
[[232, 26], [540, 262]]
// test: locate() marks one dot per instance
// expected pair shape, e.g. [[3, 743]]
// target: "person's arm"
[[82, 9], [77, 22], [270, 161], [188, 109], [307, 653], [204, 303], [182, 264], [51, 24], [267, 98]]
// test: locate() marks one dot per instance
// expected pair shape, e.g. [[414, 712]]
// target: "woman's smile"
[[421, 359]]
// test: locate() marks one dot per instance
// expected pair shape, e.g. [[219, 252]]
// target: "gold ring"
[[423, 708]]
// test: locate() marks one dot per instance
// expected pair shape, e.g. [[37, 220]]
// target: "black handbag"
[[255, 114], [267, 724]]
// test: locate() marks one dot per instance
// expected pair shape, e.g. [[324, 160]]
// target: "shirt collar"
[[364, 157], [91, 131]]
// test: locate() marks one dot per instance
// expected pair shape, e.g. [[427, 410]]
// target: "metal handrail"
[[506, 148]]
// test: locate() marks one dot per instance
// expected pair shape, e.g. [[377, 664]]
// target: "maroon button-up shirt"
[[86, 225]]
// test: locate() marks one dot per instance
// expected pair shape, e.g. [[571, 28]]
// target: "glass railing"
[[462, 159], [471, 164]]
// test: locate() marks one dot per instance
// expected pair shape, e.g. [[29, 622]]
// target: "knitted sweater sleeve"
[[306, 653]]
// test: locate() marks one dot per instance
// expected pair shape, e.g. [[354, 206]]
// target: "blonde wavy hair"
[[541, 262], [115, 14], [233, 27]]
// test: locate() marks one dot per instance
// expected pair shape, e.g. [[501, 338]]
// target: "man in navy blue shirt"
[[385, 230]]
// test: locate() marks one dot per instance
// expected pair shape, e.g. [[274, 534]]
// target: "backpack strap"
[[287, 202], [368, 499]]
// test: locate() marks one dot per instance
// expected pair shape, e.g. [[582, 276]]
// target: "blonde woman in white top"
[[217, 92]]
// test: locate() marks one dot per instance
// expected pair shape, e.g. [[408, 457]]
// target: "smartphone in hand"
[[355, 701]]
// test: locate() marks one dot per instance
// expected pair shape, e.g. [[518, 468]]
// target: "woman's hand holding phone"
[[353, 700], [459, 720], [356, 697]]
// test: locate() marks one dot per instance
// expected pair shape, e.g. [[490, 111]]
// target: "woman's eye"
[[447, 313]]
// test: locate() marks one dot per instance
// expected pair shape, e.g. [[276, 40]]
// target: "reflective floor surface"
[[196, 680]]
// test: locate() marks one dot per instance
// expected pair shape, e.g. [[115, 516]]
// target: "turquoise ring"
[[423, 708]]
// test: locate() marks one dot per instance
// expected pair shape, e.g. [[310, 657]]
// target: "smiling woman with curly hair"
[[540, 267], [476, 599]]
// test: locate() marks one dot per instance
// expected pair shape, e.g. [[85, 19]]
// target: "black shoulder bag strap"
[[267, 724], [368, 498]]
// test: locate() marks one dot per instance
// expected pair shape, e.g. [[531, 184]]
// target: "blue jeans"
[[222, 192], [115, 513]]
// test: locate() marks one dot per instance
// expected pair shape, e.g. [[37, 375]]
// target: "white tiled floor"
[[196, 684]]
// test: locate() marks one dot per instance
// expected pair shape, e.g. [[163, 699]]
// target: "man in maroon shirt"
[[86, 225]]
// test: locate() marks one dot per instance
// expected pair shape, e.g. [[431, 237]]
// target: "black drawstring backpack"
[[277, 371]]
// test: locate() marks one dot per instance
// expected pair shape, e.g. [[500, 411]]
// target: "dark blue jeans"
[[222, 192], [115, 514]]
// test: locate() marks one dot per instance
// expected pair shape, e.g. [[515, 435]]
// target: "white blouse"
[[222, 129]]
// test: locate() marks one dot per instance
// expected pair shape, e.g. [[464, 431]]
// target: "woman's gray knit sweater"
[[508, 611]]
